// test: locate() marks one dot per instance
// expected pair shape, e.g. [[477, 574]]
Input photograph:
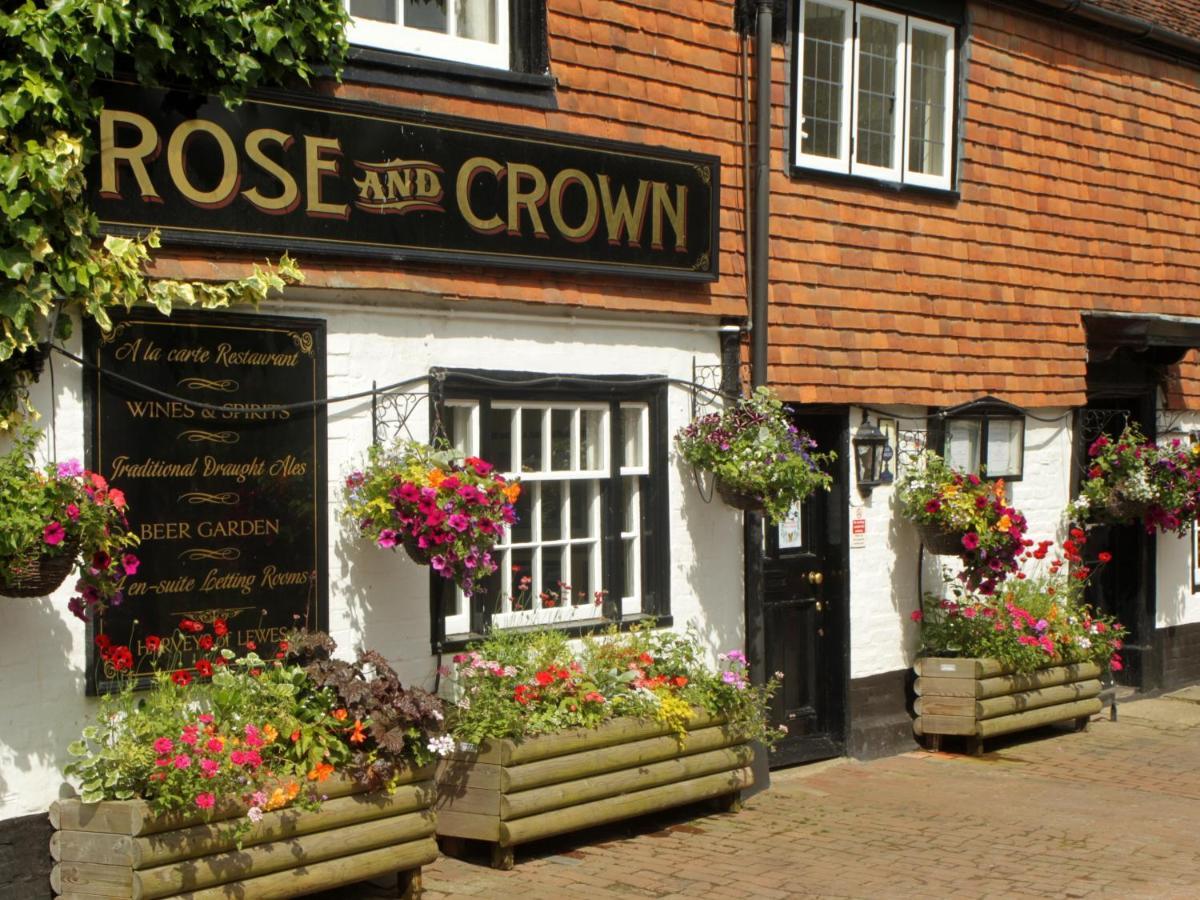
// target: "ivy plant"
[[52, 255]]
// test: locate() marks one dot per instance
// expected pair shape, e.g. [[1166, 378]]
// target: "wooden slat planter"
[[509, 793], [981, 698], [122, 849]]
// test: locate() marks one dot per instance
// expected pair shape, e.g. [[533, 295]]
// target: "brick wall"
[[1080, 190]]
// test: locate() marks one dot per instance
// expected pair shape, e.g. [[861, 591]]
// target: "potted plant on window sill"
[[1028, 655], [447, 512], [544, 741], [757, 457], [55, 517], [249, 777]]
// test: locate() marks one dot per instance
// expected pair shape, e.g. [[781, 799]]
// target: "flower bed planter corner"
[[122, 849], [510, 793], [982, 698]]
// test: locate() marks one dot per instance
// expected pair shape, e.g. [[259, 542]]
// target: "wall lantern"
[[871, 452]]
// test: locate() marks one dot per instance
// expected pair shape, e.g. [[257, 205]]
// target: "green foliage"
[[51, 55], [519, 683], [753, 448], [59, 510]]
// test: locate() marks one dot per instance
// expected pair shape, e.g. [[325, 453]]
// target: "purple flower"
[[437, 562], [729, 677], [70, 469], [1041, 625]]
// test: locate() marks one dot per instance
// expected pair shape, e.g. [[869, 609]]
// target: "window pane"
[[630, 588], [927, 103], [379, 10], [522, 531], [459, 431], [1005, 438], [631, 424], [476, 19], [560, 439], [500, 439], [552, 583], [824, 50], [531, 440], [581, 575], [878, 51], [962, 444], [629, 505], [522, 579], [427, 14], [582, 496], [593, 439], [552, 494]]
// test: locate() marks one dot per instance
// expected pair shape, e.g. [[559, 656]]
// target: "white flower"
[[254, 814], [442, 745]]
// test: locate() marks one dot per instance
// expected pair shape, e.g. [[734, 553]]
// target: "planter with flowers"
[[447, 512], [545, 741], [54, 518], [963, 515], [266, 778], [757, 457], [1130, 479], [1030, 654]]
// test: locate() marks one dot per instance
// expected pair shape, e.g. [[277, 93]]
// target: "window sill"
[[947, 195], [366, 65], [456, 642]]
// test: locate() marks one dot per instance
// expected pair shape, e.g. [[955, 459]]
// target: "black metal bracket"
[[394, 414]]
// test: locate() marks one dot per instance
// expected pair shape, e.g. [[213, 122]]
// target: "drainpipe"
[[760, 258]]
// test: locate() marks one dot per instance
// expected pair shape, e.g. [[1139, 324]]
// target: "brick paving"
[[1112, 812]]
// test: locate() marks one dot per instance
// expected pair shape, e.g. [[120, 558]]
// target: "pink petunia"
[[209, 768], [182, 761], [164, 745], [387, 538], [53, 533], [130, 564], [205, 800], [970, 541], [72, 511]]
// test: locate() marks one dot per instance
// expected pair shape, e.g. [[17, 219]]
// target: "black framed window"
[[591, 540], [984, 437]]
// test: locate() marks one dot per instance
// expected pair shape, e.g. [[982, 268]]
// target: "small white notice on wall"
[[858, 528]]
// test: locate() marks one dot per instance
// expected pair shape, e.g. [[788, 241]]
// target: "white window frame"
[[845, 162], [422, 42], [466, 443], [840, 163], [631, 604], [900, 114], [922, 178]]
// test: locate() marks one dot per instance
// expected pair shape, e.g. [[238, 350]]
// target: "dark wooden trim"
[[1179, 651], [25, 861], [880, 721]]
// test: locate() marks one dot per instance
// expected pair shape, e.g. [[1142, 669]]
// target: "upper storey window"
[[475, 32], [877, 93]]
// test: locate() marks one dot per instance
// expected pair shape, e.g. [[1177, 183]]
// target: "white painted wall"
[[883, 574], [1176, 602], [377, 598]]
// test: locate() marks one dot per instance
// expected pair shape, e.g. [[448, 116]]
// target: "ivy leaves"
[[51, 54]]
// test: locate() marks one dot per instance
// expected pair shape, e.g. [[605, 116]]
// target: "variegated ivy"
[[51, 53]]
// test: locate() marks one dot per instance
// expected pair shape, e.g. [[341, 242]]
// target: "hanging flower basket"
[[939, 542], [40, 575], [743, 500], [1119, 510]]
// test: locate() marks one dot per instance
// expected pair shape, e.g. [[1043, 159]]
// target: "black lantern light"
[[871, 451]]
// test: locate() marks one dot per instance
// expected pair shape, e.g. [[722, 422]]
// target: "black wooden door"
[[805, 615]]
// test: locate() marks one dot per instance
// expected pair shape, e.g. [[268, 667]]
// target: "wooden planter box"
[[122, 849], [510, 793], [981, 698]]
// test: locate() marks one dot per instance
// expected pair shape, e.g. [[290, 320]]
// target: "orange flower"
[[512, 492], [292, 789], [998, 489], [340, 714], [1004, 524], [269, 733], [320, 772], [357, 735], [436, 477]]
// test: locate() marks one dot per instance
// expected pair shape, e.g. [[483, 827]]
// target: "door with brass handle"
[[816, 578]]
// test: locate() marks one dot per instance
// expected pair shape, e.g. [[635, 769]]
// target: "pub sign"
[[316, 175], [213, 426]]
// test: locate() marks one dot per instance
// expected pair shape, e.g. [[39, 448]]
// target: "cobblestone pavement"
[[1112, 812]]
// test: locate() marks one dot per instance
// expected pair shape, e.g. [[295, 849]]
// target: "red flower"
[[544, 678], [204, 668], [121, 658], [220, 627], [153, 643], [917, 615], [1104, 556], [103, 642], [970, 541], [181, 677], [206, 642], [190, 626], [250, 645]]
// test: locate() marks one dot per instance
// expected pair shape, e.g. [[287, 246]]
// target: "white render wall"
[[377, 598], [883, 574]]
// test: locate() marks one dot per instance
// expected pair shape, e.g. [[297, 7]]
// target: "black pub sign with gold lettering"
[[213, 426], [313, 175]]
